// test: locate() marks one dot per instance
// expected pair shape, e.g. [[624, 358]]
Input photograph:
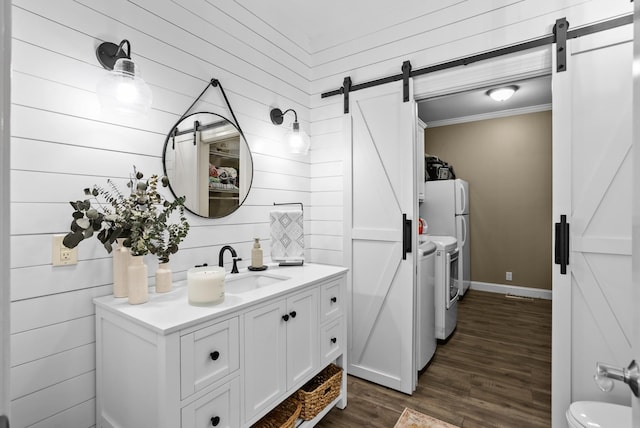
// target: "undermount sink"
[[242, 283]]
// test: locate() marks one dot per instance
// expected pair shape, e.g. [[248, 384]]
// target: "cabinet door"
[[265, 371], [219, 408], [302, 336]]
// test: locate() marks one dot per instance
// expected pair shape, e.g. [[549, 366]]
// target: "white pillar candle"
[[205, 285]]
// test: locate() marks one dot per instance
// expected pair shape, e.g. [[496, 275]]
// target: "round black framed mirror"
[[207, 160]]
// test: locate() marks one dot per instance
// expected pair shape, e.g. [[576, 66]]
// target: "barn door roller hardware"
[[560, 36], [406, 74], [560, 31]]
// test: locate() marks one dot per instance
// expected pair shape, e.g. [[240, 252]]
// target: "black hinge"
[[406, 74], [346, 87], [560, 30], [406, 236], [562, 244]]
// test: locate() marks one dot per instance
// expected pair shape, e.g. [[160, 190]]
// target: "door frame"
[[5, 106], [635, 212], [532, 63]]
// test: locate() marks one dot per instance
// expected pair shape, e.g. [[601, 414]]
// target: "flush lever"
[[606, 374]]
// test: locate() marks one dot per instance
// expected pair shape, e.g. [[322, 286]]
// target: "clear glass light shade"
[[502, 94], [298, 140], [123, 90]]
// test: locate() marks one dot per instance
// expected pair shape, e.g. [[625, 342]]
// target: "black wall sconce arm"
[[108, 53], [277, 115]]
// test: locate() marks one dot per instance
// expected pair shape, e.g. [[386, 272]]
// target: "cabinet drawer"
[[331, 341], [331, 300], [219, 408], [207, 355]]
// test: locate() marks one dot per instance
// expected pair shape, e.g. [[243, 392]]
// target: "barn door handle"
[[562, 244], [406, 236]]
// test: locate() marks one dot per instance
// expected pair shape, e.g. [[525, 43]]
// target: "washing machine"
[[446, 287], [425, 308]]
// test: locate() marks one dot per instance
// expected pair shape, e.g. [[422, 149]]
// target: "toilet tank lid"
[[593, 414]]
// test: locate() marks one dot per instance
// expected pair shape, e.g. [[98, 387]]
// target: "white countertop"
[[166, 313]]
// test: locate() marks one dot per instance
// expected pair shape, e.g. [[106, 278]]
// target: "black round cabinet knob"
[[334, 340], [293, 314], [285, 317], [214, 355], [334, 299], [215, 421]]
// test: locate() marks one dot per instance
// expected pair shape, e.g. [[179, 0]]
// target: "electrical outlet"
[[61, 255], [509, 276]]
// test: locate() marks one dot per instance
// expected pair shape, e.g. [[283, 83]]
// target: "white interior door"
[[592, 186], [381, 188]]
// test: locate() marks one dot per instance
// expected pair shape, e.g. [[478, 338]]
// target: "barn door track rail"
[[560, 35]]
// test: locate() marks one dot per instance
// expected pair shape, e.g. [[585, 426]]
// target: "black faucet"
[[234, 255]]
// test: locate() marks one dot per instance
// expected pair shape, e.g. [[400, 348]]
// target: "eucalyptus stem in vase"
[[140, 221]]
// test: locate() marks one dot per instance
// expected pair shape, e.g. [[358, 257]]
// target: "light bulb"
[[123, 90], [502, 94], [298, 140]]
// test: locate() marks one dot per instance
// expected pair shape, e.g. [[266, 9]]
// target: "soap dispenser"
[[256, 256]]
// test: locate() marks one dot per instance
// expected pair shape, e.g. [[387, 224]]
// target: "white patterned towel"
[[287, 236]]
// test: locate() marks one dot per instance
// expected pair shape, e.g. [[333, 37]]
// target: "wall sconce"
[[122, 90], [502, 94], [297, 139]]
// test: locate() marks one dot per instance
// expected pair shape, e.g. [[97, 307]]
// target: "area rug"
[[412, 419]]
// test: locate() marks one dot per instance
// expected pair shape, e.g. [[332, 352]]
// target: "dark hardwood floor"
[[494, 371]]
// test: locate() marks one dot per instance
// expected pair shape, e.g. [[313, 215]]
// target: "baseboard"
[[536, 293]]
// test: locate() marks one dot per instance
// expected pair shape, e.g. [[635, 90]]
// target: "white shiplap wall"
[[460, 29], [62, 143]]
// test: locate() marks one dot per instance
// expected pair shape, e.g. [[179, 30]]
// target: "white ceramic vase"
[[121, 257], [137, 281], [163, 278]]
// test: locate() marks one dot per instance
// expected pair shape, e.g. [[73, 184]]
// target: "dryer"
[[446, 286], [425, 309]]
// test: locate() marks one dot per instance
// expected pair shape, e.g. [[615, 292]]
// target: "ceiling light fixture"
[[122, 90], [502, 94], [298, 139]]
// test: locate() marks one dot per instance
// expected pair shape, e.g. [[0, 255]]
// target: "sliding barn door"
[[592, 187], [382, 189]]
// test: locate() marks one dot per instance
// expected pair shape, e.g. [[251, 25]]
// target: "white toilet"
[[594, 414]]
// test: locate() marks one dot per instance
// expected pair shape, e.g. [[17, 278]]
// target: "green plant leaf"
[[88, 233], [71, 240], [93, 214], [83, 223]]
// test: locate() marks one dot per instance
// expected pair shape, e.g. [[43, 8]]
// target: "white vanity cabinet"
[[281, 349], [166, 364]]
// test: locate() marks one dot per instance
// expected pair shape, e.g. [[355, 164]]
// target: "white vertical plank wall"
[[61, 143], [5, 109]]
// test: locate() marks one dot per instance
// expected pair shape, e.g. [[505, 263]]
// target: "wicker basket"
[[316, 394], [283, 416]]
